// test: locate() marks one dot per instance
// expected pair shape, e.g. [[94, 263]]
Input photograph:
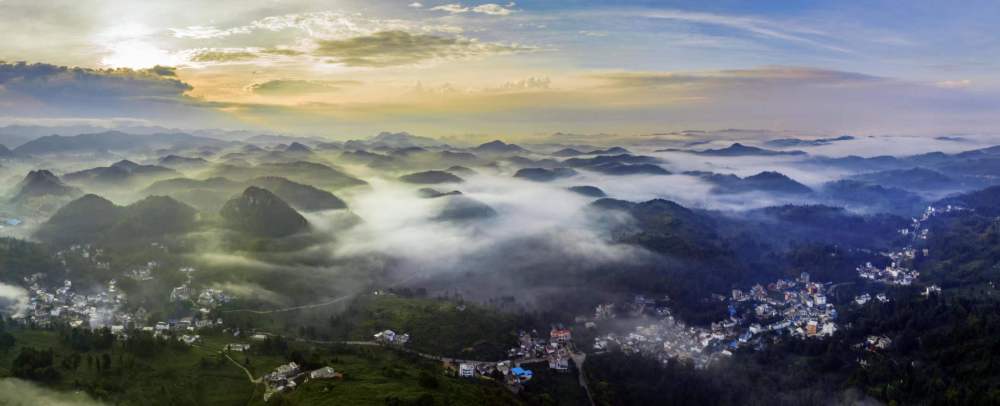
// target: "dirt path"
[[247, 371]]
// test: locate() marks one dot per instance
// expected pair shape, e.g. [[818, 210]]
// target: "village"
[[797, 308], [106, 308], [896, 272]]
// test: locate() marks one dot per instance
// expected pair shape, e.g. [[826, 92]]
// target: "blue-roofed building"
[[522, 374]]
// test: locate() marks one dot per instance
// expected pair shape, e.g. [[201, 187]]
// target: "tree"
[[35, 365]]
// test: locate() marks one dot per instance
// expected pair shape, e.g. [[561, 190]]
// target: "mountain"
[[431, 178], [737, 149], [368, 158], [13, 140], [429, 193], [120, 173], [297, 147], [459, 208], [856, 163], [609, 151], [872, 197], [177, 161], [622, 169], [912, 179], [800, 224], [589, 191], [305, 172], [663, 226], [799, 142], [460, 170], [402, 140], [114, 141], [571, 152], [93, 219], [567, 152], [523, 162], [84, 218], [453, 157], [302, 197], [260, 213], [985, 202], [6, 153], [152, 217], [40, 183], [619, 165], [768, 181], [170, 186], [498, 147], [544, 175], [604, 159]]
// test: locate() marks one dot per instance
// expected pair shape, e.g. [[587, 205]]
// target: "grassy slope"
[[182, 377], [435, 326]]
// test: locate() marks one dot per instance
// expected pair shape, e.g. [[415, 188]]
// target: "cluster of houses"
[[287, 377], [533, 348], [555, 349], [389, 337], [668, 338], [206, 297], [106, 308], [142, 273], [864, 298], [892, 274], [84, 252], [63, 305], [798, 308], [896, 272], [511, 373]]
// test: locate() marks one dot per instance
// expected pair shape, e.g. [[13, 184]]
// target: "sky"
[[343, 69]]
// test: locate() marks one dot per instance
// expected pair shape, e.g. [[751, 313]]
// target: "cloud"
[[286, 87], [18, 392], [487, 8], [44, 90], [416, 4], [206, 32], [954, 84], [768, 75], [493, 9], [320, 24], [532, 83], [59, 83], [224, 56], [393, 48], [453, 8], [756, 26], [13, 299]]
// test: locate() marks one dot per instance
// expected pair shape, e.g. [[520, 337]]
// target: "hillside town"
[[107, 306], [797, 308]]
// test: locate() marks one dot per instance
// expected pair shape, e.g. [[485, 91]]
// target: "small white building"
[[466, 370]]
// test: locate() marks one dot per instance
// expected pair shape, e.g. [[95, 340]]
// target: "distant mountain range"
[[737, 150], [799, 142], [768, 181], [121, 173], [114, 141]]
